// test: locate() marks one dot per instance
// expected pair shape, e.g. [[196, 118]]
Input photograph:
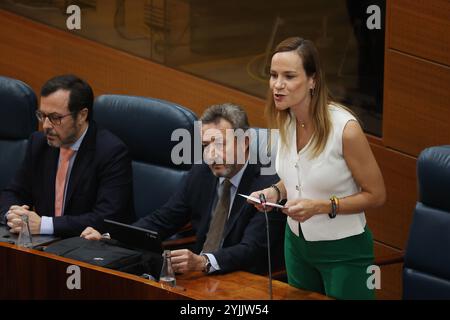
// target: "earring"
[[311, 92]]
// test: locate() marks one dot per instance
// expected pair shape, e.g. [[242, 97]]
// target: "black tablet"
[[135, 237]]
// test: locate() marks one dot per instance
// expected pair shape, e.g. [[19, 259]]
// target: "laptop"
[[38, 240], [135, 237]]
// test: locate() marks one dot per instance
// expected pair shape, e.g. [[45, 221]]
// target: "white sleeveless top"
[[320, 178]]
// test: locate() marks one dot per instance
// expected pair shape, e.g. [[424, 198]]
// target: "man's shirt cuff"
[[214, 265], [46, 225]]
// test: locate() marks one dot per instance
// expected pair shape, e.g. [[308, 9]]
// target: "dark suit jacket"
[[244, 246], [100, 183]]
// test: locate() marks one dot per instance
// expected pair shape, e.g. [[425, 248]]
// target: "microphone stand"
[[262, 198]]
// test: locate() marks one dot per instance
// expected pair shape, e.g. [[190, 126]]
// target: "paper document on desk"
[[270, 204]]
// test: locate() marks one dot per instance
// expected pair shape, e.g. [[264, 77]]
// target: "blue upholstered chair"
[[17, 121], [426, 273], [145, 125]]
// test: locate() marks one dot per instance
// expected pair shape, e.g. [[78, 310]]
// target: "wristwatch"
[[207, 267]]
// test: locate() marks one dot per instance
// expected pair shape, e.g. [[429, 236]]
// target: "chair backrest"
[[17, 121], [426, 273], [146, 125]]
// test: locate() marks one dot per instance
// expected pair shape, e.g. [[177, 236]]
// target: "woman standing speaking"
[[328, 175]]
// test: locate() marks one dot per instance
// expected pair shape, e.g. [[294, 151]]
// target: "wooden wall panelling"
[[390, 223], [33, 52], [416, 103], [421, 28], [391, 275]]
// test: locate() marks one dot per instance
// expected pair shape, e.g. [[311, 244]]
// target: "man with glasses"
[[74, 174], [230, 233]]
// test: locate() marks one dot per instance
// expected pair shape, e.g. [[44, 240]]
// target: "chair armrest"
[[180, 242], [182, 239], [185, 229], [390, 259]]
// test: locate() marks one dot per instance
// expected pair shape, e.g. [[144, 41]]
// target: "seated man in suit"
[[230, 233], [74, 174]]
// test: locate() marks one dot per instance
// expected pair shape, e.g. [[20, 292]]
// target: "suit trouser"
[[337, 268]]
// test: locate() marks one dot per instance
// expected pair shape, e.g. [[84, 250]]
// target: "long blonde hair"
[[320, 99]]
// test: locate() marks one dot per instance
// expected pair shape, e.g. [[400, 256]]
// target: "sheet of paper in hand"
[[270, 204]]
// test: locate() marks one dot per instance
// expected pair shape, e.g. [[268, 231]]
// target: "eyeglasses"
[[54, 118]]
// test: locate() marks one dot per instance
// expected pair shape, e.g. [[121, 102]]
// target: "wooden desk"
[[31, 274]]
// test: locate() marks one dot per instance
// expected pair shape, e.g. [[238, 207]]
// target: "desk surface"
[[31, 274]]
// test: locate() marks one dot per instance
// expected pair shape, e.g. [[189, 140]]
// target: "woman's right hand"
[[91, 234], [271, 196]]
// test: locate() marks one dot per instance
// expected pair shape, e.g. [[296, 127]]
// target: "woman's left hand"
[[303, 209]]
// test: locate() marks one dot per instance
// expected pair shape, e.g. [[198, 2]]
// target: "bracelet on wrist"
[[334, 207]]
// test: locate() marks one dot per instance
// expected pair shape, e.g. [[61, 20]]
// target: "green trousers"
[[336, 268]]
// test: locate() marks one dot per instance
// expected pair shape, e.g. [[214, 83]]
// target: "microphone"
[[262, 198]]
